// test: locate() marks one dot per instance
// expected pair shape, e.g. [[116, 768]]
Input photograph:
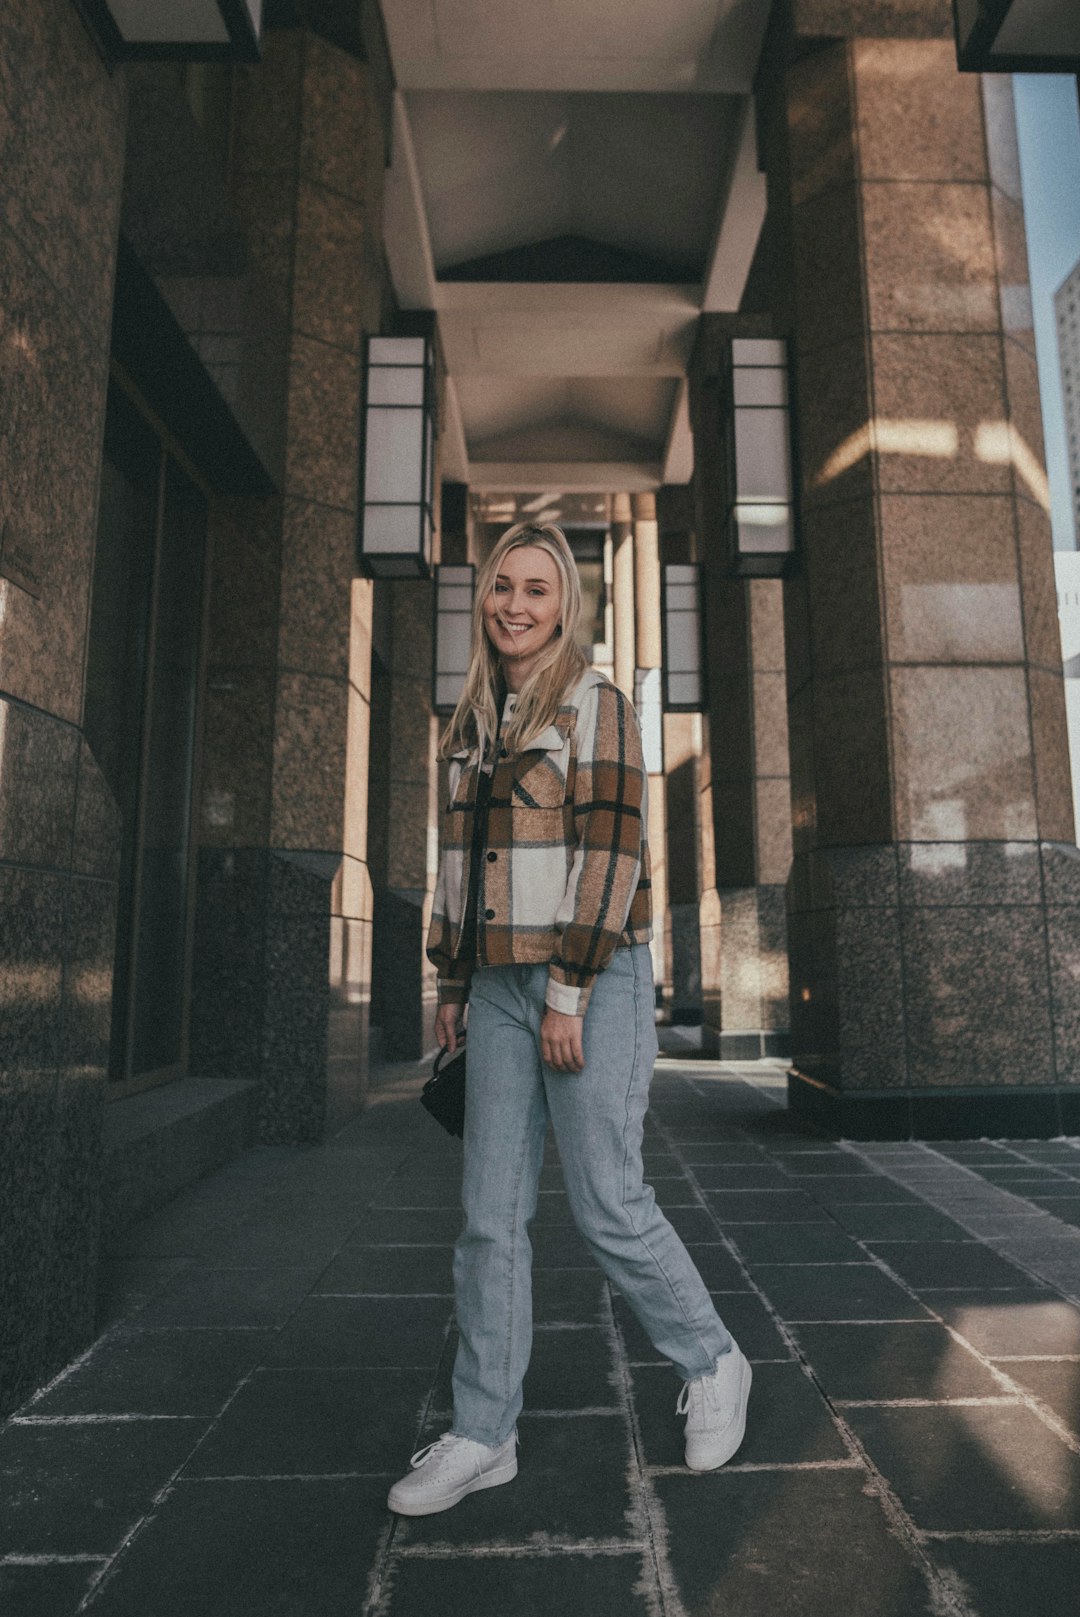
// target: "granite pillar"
[[284, 917], [934, 934], [404, 981], [648, 699], [62, 123], [746, 781]]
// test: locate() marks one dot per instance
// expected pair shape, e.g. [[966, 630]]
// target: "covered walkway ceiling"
[[573, 182]]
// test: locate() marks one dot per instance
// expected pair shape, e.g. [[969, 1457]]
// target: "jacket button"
[[492, 858], [489, 915]]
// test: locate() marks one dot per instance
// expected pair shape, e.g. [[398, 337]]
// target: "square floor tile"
[[787, 1418], [1022, 1322], [716, 1266], [77, 1490], [702, 1151], [522, 1585], [786, 1544], [559, 1246], [916, 1359], [870, 1222], [364, 1330], [693, 1224], [45, 1590], [166, 1372], [835, 1291], [734, 1207], [222, 1297], [741, 1176], [973, 1467], [388, 1269], [1056, 1383], [251, 1549], [1013, 1580], [570, 1296], [838, 1190], [938, 1264], [314, 1421], [407, 1226], [571, 1369], [796, 1243], [573, 1483]]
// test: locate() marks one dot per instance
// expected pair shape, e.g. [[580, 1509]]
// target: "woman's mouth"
[[517, 629]]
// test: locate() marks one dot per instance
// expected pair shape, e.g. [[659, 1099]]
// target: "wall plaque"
[[19, 560]]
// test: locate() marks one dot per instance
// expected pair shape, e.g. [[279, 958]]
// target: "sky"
[[1048, 122]]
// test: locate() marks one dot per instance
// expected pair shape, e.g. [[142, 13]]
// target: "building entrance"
[[141, 721]]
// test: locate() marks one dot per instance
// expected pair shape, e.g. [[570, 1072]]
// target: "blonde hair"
[[561, 664]]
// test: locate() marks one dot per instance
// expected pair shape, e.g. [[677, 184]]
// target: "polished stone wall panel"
[[829, 284], [950, 584], [228, 989], [266, 107], [772, 803], [293, 1087], [893, 20], [27, 1172], [317, 562], [52, 381], [917, 117], [1014, 291], [929, 258], [933, 394], [89, 949], [1050, 738], [962, 754], [977, 996], [70, 1295], [851, 760], [235, 781], [870, 999], [821, 133], [98, 827], [337, 128], [322, 455], [328, 266], [842, 588], [835, 462], [309, 762], [38, 762], [936, 874], [62, 128]]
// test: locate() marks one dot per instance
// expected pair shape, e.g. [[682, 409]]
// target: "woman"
[[541, 924]]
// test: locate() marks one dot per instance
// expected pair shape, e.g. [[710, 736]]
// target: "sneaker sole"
[[732, 1439], [431, 1507]]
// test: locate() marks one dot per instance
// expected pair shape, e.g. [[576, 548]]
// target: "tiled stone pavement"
[[279, 1340]]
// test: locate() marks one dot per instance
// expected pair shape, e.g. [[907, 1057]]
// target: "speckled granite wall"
[[284, 914], [61, 160], [935, 941]]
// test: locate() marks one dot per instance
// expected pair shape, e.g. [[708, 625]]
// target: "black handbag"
[[444, 1092]]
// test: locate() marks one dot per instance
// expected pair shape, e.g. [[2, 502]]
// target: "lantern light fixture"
[[761, 511], [454, 587], [396, 520], [186, 30], [684, 684]]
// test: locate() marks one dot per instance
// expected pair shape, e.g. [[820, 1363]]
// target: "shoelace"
[[707, 1396], [440, 1445]]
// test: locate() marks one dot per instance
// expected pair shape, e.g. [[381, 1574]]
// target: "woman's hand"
[[560, 1041], [449, 1026]]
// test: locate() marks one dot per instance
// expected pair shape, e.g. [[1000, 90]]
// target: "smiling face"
[[522, 612]]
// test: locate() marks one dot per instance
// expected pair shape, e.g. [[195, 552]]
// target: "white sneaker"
[[448, 1469], [715, 1410]]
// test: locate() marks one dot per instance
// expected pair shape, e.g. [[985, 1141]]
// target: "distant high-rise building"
[[1067, 310]]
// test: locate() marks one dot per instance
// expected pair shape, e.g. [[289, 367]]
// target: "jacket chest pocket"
[[541, 784]]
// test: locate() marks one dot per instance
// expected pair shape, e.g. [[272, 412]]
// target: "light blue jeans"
[[597, 1116]]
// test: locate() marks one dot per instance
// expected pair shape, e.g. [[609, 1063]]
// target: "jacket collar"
[[550, 740]]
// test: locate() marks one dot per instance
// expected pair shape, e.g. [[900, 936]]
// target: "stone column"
[[743, 932], [62, 117], [622, 535], [285, 896], [648, 699], [935, 938]]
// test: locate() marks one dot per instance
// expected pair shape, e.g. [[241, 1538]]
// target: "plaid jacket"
[[565, 878]]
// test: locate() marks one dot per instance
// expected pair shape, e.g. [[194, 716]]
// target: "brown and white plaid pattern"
[[565, 879]]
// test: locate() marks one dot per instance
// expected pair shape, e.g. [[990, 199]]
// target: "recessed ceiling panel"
[[641, 173]]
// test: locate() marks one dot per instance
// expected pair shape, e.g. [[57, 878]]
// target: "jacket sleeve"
[[610, 810]]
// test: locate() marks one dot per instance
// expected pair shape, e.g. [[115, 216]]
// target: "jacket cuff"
[[566, 1000], [452, 991]]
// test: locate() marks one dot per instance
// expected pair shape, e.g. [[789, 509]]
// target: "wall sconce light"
[[761, 512], [454, 587], [189, 30], [1017, 36], [684, 685], [399, 457]]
